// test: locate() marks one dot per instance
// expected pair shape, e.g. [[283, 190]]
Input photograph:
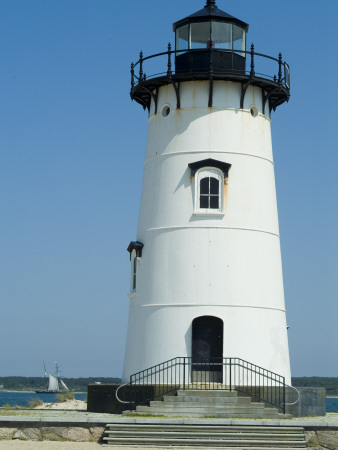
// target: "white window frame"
[[203, 173]]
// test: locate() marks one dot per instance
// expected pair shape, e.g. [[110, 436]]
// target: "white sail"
[[63, 385], [53, 384]]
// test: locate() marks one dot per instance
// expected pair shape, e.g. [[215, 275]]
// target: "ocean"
[[24, 398]]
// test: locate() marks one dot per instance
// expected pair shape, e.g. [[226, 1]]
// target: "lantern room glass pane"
[[238, 39], [200, 35], [221, 35], [182, 38]]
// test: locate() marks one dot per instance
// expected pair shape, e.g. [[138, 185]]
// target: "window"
[[209, 188], [133, 271], [209, 193], [135, 250], [210, 177]]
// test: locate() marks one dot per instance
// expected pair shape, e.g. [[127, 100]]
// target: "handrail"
[[214, 373], [298, 395], [281, 76], [117, 397]]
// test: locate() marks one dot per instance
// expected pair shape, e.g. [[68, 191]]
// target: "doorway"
[[207, 349]]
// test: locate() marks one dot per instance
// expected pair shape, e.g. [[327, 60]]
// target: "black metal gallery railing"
[[256, 65], [232, 374]]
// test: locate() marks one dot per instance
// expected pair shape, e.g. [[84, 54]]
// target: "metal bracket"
[[211, 90], [177, 92], [267, 97], [244, 89]]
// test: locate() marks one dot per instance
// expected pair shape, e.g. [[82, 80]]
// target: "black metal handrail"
[[281, 76], [232, 374]]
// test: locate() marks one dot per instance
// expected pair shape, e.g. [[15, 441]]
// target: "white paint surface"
[[227, 266]]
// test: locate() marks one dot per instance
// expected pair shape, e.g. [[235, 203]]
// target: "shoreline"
[[33, 392]]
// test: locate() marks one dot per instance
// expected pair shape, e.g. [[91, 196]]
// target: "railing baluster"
[[141, 66], [169, 72], [280, 62], [132, 73], [252, 66]]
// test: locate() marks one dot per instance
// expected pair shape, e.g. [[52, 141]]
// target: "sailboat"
[[54, 383]]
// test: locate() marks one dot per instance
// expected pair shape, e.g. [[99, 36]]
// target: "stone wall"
[[311, 402], [322, 440], [52, 432]]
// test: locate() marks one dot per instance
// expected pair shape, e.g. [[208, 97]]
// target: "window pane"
[[204, 186], [134, 282], [238, 39], [182, 38], [204, 201], [200, 35], [214, 186], [214, 202], [221, 35]]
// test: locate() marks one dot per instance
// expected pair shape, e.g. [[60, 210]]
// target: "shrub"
[[65, 396], [35, 403]]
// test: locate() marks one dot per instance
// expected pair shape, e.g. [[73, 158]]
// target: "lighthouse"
[[206, 273]]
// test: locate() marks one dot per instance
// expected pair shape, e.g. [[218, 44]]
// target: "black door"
[[207, 349]]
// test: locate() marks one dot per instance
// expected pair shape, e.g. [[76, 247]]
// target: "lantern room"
[[210, 28]]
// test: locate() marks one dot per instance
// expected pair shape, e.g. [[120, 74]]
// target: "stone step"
[[204, 428], [165, 435], [207, 409], [227, 406], [193, 447], [206, 399], [207, 435], [207, 393], [204, 443], [262, 415]]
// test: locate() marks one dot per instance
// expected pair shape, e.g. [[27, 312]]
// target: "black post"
[[132, 75], [141, 66], [280, 62], [184, 373], [169, 72], [283, 395], [252, 71], [230, 374]]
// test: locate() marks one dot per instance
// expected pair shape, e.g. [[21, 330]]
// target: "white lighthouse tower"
[[206, 272]]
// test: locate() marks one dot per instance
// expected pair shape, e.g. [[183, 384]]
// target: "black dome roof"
[[210, 12]]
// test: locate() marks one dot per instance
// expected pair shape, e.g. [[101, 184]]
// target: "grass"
[[34, 403], [65, 397]]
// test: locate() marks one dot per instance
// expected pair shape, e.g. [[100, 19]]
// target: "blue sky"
[[72, 146]]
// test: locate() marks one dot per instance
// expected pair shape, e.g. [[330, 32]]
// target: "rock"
[[73, 434], [328, 439], [96, 433], [311, 439], [7, 433], [28, 434]]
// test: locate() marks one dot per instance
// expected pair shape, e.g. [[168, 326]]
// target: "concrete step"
[[208, 435], [211, 404], [204, 443], [214, 415], [207, 393], [206, 399], [145, 435], [194, 447], [204, 428], [192, 408]]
